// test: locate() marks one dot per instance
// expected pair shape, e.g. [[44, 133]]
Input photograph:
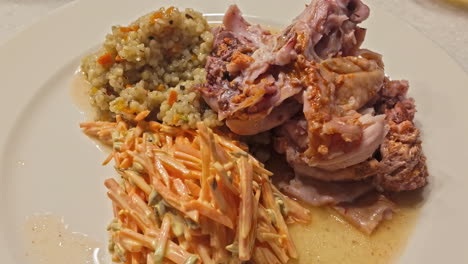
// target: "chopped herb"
[[159, 255], [192, 224], [138, 167], [177, 225], [117, 139], [191, 260], [114, 226], [121, 253], [282, 206], [214, 184], [153, 198], [239, 154], [233, 248], [185, 118], [272, 215], [111, 246], [160, 209]]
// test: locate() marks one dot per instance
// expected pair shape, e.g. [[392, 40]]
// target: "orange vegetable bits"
[[192, 196], [172, 98], [160, 14], [155, 16], [169, 10], [118, 58], [105, 60], [129, 29]]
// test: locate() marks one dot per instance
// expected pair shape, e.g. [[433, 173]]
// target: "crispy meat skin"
[[332, 137], [402, 165], [403, 162], [251, 72]]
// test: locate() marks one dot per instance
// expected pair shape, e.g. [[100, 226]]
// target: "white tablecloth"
[[444, 24]]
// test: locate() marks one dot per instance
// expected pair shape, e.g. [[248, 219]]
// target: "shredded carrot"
[[172, 98], [245, 217], [125, 164], [105, 60], [181, 188], [160, 87], [193, 188], [162, 240], [129, 29], [142, 115], [169, 10], [174, 252], [155, 16], [108, 159], [192, 196], [206, 210]]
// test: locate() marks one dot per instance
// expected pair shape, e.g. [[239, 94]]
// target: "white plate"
[[47, 165]]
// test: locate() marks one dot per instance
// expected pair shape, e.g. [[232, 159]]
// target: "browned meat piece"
[[318, 193], [403, 165], [258, 81], [339, 136], [226, 90], [367, 212], [278, 116], [332, 139], [328, 28], [251, 72], [403, 162], [292, 141]]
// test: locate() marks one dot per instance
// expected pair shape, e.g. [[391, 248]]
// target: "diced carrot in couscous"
[[105, 60]]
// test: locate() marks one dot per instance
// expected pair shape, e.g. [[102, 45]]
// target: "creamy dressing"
[[50, 241], [330, 240]]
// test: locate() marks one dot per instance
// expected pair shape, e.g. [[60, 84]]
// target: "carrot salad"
[[192, 196]]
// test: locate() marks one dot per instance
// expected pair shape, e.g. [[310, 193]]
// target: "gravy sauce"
[[328, 239], [79, 93]]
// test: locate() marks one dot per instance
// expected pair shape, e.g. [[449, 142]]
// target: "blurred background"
[[443, 21]]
